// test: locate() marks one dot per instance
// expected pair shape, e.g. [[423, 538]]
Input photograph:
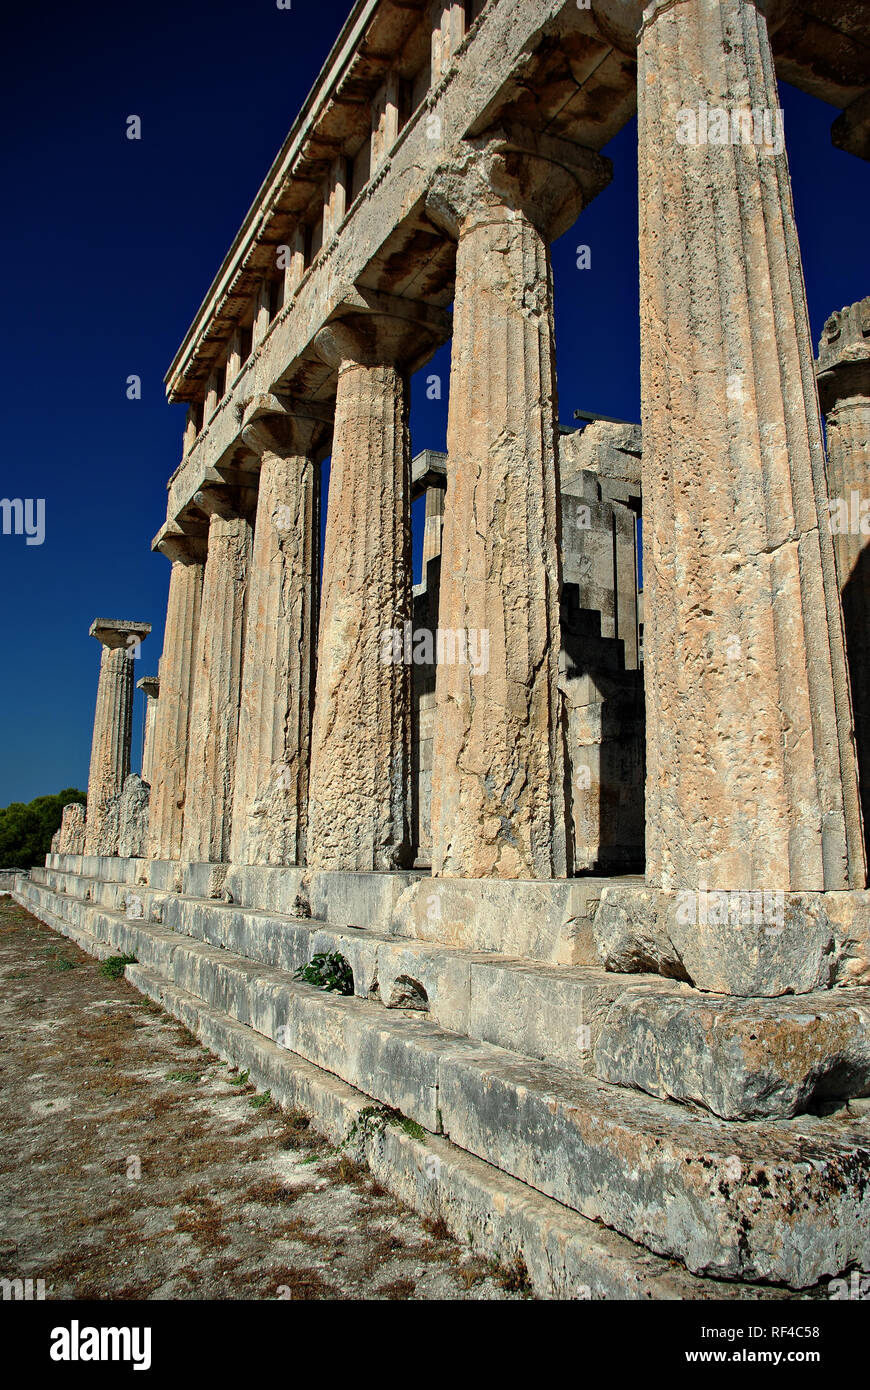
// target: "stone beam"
[[374, 220], [851, 131]]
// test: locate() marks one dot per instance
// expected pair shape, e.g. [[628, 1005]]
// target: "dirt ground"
[[134, 1164]]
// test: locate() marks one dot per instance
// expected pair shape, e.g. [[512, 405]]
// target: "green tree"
[[26, 830]]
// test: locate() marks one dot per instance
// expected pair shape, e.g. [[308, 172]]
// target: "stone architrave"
[[498, 776], [360, 784], [271, 788], [177, 666], [843, 370], [150, 686], [751, 771], [214, 720], [113, 720]]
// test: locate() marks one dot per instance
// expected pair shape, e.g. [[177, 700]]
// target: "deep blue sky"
[[110, 246]]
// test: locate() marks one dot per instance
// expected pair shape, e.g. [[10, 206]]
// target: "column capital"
[[151, 686], [284, 426], [843, 366], [225, 501], [181, 546], [546, 179], [621, 21], [374, 329], [116, 632]]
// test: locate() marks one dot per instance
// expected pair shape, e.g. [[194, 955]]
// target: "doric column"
[[844, 389], [177, 665], [150, 686], [214, 721], [360, 792], [113, 720], [751, 773], [498, 795], [271, 791]]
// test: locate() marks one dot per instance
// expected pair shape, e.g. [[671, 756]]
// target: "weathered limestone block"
[[214, 720], [851, 130], [605, 744], [113, 721], [271, 789], [110, 830], [735, 942], [607, 448], [741, 1059], [599, 544], [360, 787], [751, 772], [843, 369], [71, 835], [631, 933], [150, 685], [133, 818], [498, 796], [177, 668]]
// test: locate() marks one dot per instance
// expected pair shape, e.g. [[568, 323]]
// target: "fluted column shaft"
[[751, 774], [498, 804], [110, 749], [214, 722], [271, 791], [150, 687], [844, 389], [169, 746], [113, 721], [360, 787]]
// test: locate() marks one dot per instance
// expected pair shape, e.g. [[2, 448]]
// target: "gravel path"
[[134, 1164]]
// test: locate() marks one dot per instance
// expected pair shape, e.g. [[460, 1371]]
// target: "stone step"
[[543, 920], [566, 1255], [550, 1012], [779, 1201], [738, 1058]]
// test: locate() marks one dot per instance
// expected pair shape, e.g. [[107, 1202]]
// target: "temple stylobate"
[[594, 853]]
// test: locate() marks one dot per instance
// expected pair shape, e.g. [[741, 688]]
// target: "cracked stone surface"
[[498, 806]]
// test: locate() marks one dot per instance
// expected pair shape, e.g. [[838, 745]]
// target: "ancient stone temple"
[[594, 852]]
